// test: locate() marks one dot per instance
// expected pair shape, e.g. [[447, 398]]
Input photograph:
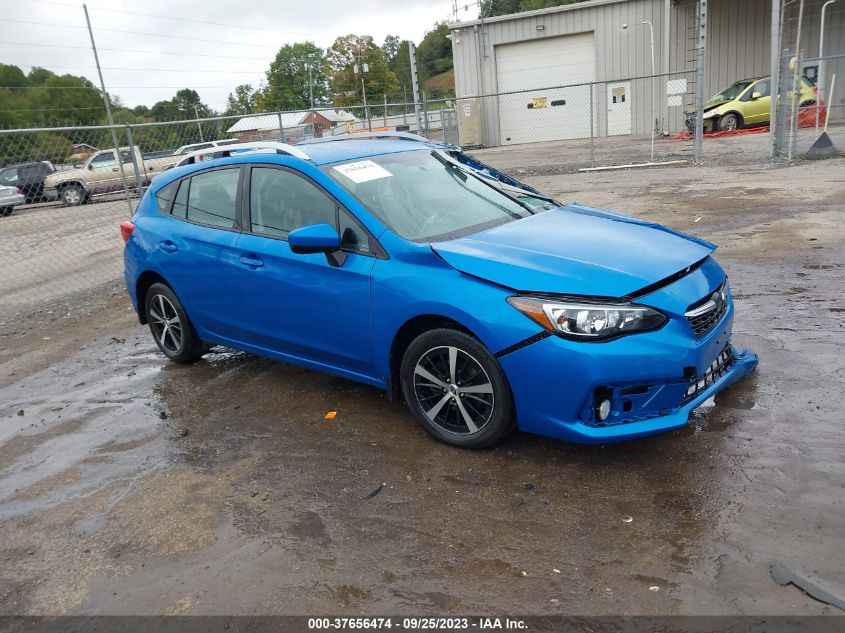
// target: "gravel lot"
[[129, 485]]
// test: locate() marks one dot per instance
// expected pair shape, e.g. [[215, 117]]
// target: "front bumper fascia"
[[554, 381]]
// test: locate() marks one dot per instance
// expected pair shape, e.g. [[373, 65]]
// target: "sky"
[[208, 45]]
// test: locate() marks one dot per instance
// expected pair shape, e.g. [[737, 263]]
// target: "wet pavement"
[[130, 485]]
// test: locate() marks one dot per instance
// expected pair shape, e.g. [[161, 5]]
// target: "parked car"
[[9, 198], [746, 103], [194, 147], [391, 263], [211, 153], [101, 173], [28, 177]]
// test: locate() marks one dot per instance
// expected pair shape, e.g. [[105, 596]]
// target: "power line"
[[168, 17], [132, 50], [163, 70], [173, 37], [111, 87]]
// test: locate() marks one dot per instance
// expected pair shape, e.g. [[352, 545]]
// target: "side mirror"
[[316, 238], [91, 166], [756, 95]]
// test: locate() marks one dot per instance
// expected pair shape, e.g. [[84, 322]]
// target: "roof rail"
[[356, 136], [222, 151]]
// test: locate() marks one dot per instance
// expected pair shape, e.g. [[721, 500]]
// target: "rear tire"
[[456, 390], [170, 326]]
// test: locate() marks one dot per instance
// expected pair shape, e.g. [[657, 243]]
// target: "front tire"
[[73, 195], [456, 390], [731, 122], [170, 326]]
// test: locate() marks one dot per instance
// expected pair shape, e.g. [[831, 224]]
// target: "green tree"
[[185, 104], [399, 62], [242, 101], [287, 79], [342, 58], [434, 53]]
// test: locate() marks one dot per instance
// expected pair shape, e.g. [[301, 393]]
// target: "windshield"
[[424, 196], [732, 92]]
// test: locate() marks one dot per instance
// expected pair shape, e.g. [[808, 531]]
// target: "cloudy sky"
[[209, 45]]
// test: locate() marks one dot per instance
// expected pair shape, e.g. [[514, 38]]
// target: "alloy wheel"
[[72, 196], [453, 390], [165, 324]]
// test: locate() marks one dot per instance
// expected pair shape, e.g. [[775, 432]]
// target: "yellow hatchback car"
[[745, 103]]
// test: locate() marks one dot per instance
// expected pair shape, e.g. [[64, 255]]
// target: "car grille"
[[716, 370], [702, 316]]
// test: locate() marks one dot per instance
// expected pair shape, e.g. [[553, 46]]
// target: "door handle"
[[168, 247], [252, 262], [115, 169]]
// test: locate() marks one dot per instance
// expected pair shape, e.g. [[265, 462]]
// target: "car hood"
[[575, 250]]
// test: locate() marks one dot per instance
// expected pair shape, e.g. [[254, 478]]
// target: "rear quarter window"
[[164, 196]]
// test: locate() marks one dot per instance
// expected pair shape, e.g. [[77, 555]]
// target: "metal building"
[[600, 52]]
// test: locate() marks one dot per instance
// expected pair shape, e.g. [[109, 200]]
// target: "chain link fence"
[[607, 123], [59, 238], [64, 191], [810, 105]]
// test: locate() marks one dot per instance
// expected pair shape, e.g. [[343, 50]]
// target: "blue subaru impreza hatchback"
[[412, 267]]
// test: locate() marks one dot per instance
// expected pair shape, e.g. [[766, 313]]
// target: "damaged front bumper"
[[648, 382]]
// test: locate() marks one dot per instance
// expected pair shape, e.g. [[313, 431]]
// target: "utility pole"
[[365, 68], [108, 113], [415, 87], [700, 68], [310, 86], [199, 126]]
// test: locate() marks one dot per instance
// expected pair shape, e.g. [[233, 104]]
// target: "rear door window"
[[212, 198]]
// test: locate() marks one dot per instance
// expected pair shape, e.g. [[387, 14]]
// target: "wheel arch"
[[67, 183], [740, 120], [142, 285], [406, 333]]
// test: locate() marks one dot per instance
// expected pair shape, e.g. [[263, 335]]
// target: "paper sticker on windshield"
[[363, 171]]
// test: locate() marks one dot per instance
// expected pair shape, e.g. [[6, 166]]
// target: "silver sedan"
[[9, 197]]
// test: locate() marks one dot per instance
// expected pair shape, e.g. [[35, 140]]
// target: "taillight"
[[126, 229], [18, 190]]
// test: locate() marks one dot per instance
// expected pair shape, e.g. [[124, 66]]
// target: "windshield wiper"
[[458, 170], [450, 165]]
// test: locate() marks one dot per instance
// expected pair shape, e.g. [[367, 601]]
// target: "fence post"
[[701, 60], [783, 89], [139, 180], [592, 133], [281, 128]]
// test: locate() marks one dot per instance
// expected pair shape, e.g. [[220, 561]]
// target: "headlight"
[[588, 321], [710, 114]]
